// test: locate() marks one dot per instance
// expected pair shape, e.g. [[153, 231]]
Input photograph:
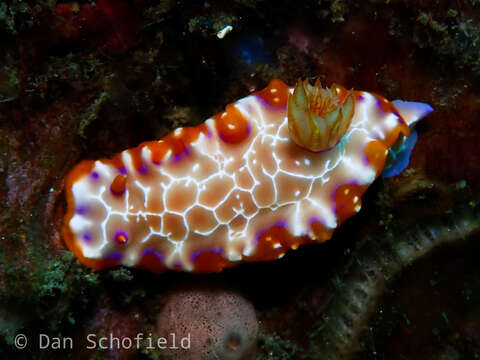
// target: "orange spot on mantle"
[[274, 242], [119, 184], [275, 94], [152, 263], [209, 261], [231, 125], [320, 232], [376, 153], [348, 200]]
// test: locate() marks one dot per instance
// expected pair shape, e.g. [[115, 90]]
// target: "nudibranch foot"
[[239, 187]]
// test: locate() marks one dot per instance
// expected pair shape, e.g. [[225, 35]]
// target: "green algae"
[[454, 35], [210, 25], [41, 288], [9, 81], [8, 11], [273, 346]]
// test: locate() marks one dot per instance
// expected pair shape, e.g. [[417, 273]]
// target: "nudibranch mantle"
[[235, 188]]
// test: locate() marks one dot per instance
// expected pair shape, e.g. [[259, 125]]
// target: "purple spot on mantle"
[[221, 137], [365, 159], [361, 98], [154, 252], [314, 220], [94, 175], [178, 157], [81, 209], [143, 169], [177, 265], [87, 237], [123, 171], [118, 237], [198, 252], [267, 105], [115, 255], [379, 104], [282, 223]]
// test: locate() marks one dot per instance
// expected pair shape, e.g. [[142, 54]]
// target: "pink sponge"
[[213, 323]]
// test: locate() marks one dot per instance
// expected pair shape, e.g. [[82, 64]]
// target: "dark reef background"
[[87, 79]]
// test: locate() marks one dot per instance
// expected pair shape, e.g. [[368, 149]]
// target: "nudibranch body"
[[236, 188]]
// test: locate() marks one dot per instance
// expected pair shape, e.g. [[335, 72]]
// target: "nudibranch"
[[277, 169]]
